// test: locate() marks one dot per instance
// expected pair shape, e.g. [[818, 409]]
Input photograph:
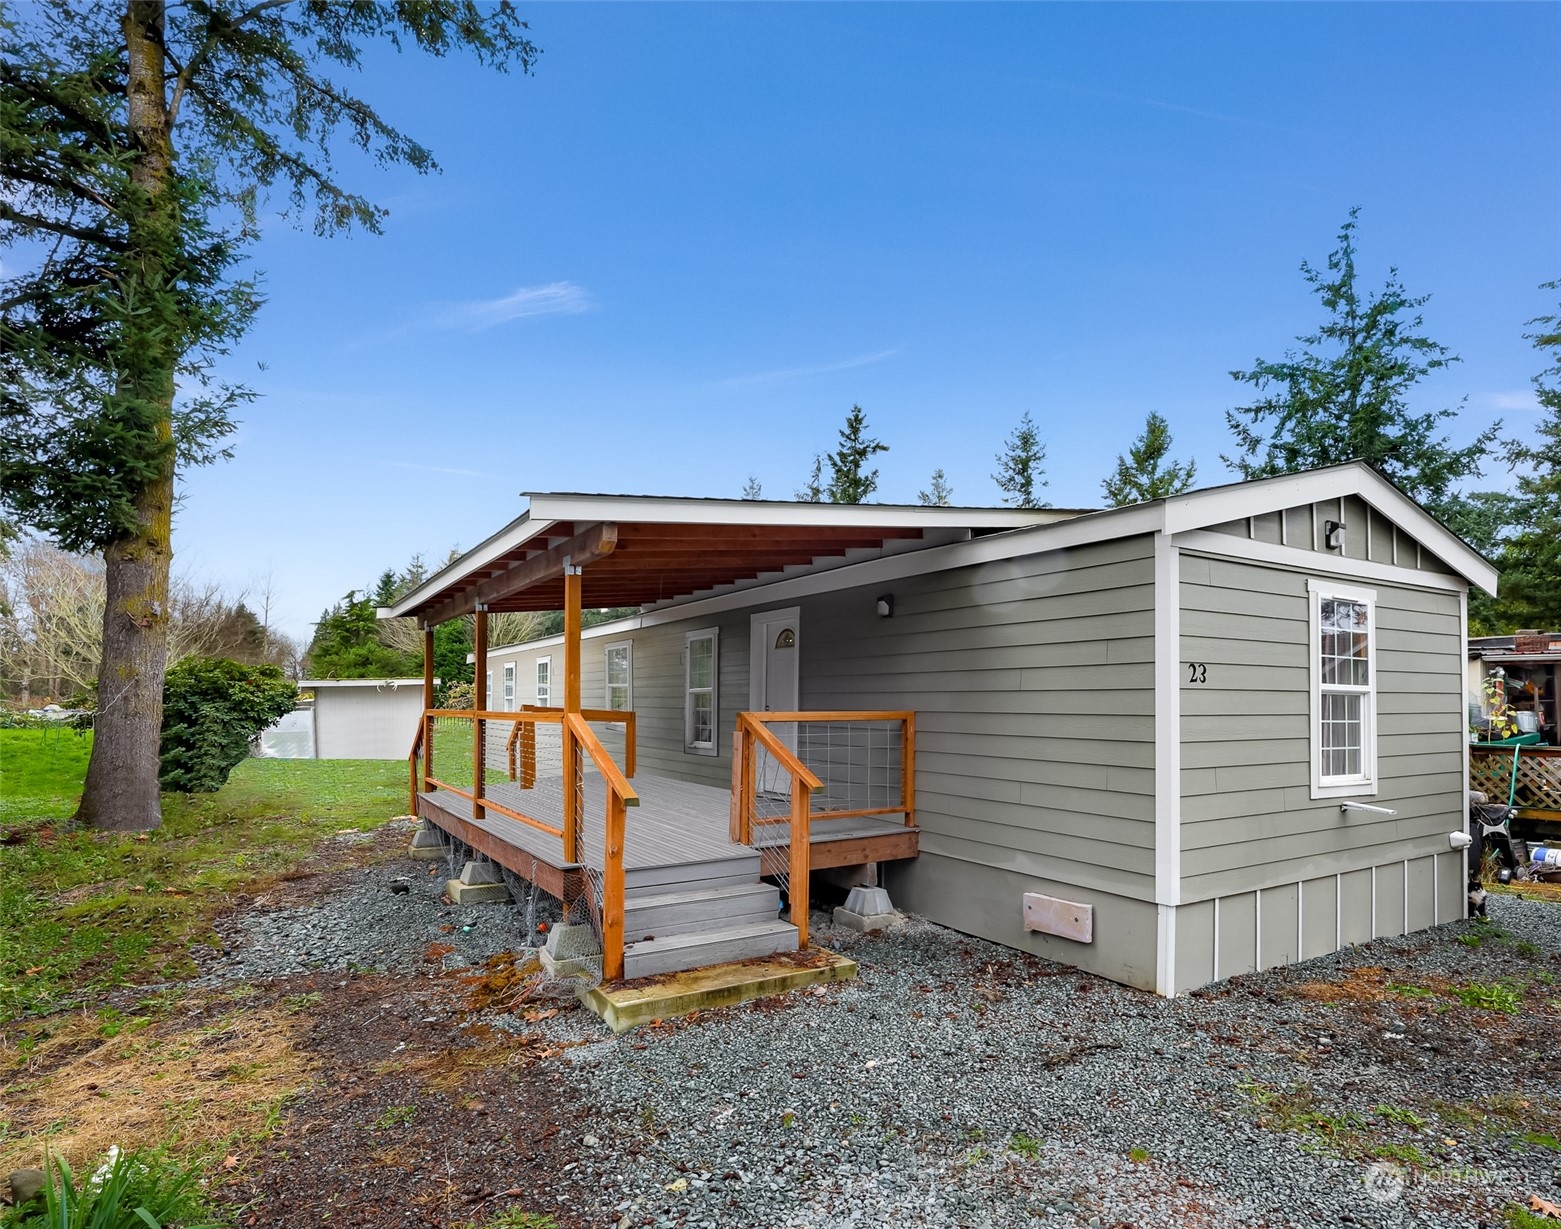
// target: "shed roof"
[[639, 550]]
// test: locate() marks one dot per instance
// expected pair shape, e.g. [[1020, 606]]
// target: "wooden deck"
[[677, 836]]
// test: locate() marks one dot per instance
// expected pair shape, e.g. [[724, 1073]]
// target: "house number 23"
[[1197, 672]]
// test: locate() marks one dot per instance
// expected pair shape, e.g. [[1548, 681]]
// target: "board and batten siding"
[[1270, 875], [1032, 680]]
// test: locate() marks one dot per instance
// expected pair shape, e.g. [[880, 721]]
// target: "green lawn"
[[41, 772], [81, 911]]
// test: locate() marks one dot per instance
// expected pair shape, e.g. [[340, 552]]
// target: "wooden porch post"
[[612, 890], [571, 705], [801, 859], [479, 705], [428, 702]]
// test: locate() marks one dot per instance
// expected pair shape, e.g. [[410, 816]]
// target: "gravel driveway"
[[956, 1083]]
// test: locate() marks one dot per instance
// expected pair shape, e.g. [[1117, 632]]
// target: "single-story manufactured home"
[[1165, 743]]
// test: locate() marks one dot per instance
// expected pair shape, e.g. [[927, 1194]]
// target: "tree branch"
[[198, 60], [84, 234]]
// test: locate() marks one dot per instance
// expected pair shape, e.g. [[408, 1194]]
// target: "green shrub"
[[133, 1190], [212, 710]]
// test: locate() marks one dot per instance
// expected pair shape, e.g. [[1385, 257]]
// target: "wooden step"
[[703, 908], [697, 949], [689, 875]]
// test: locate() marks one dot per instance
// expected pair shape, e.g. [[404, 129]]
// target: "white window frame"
[[544, 690], [1365, 783], [509, 687], [488, 690], [713, 747], [628, 683]]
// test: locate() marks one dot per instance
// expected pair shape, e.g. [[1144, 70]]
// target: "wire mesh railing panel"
[[860, 763]]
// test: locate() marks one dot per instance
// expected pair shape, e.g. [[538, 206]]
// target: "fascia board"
[[512, 535], [660, 511]]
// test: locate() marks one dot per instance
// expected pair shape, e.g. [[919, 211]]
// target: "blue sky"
[[679, 252]]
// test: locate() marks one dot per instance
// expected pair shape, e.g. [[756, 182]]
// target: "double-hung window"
[[1344, 690], [701, 706], [620, 676], [509, 687], [544, 682]]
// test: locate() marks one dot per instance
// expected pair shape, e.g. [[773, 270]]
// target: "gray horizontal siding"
[[1032, 680], [1248, 818]]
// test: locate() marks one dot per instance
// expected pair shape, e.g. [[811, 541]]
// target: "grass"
[[83, 911], [1491, 997], [41, 773], [1024, 1145]]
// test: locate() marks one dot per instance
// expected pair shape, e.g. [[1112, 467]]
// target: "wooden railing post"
[[908, 768], [734, 827], [612, 890], [528, 755], [428, 748], [750, 787], [631, 740], [479, 706], [571, 788], [801, 859]]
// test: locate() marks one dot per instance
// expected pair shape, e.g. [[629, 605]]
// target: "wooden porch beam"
[[596, 542]]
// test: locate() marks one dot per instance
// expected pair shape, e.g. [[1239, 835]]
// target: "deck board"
[[677, 824]]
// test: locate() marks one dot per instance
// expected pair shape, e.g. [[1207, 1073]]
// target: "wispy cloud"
[[1518, 399], [796, 373], [441, 469], [477, 315], [1245, 121]]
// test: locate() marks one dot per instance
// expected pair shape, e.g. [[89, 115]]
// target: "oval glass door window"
[[787, 639]]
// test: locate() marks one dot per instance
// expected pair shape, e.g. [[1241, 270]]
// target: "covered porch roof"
[[643, 550]]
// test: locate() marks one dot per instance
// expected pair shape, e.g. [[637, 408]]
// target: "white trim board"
[[1297, 559], [674, 510], [1167, 721]]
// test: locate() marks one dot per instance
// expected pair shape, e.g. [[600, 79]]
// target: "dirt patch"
[[421, 1115], [198, 1082]]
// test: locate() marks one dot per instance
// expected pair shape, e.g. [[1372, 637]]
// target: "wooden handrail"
[[611, 773], [784, 756], [417, 745], [834, 714]]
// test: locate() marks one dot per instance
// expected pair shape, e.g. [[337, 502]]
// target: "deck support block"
[[481, 883], [428, 844], [867, 909]]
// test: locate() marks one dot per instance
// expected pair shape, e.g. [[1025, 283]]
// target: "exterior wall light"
[[1333, 535], [886, 606]]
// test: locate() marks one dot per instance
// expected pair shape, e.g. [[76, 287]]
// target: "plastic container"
[[1546, 855]]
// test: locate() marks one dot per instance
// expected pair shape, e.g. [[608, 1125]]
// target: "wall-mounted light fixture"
[[886, 605], [1333, 535]]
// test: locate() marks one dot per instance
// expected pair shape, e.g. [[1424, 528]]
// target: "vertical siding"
[[1369, 535], [1248, 819]]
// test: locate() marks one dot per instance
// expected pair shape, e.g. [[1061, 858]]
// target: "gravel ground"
[[956, 1083]]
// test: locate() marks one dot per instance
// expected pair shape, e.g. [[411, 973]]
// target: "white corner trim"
[[1165, 952], [1463, 721], [1211, 543], [1167, 722]]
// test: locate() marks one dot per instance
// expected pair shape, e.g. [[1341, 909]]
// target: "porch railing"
[[466, 751], [1529, 776], [791, 768]]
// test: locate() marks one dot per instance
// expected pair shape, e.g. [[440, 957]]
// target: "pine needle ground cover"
[[82, 912]]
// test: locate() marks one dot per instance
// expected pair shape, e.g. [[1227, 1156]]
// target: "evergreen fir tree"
[[1139, 475]]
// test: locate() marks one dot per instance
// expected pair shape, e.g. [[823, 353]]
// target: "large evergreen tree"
[[1531, 556], [850, 481], [1345, 394], [1142, 474], [138, 141], [1021, 466]]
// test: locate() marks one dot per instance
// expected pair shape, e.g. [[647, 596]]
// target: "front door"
[[773, 683]]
